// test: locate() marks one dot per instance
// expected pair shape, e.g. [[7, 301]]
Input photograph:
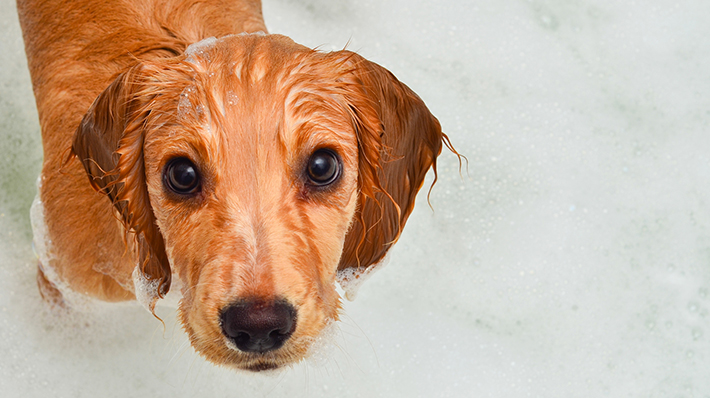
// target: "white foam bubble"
[[324, 346], [232, 98], [185, 103], [146, 290], [42, 247], [200, 49], [350, 279]]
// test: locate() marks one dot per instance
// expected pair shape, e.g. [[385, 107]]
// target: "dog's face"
[[252, 168], [253, 183]]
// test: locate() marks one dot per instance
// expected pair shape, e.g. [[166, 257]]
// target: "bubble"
[[323, 346], [350, 279], [697, 334], [42, 247], [185, 103], [232, 98], [146, 290], [200, 49]]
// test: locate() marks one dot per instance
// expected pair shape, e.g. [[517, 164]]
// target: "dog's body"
[[248, 167]]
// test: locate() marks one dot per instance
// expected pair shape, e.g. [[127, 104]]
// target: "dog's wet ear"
[[398, 140], [109, 143]]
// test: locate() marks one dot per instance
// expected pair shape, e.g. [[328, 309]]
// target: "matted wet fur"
[[259, 121]]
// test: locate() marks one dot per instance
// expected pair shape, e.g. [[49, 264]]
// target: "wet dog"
[[238, 167]]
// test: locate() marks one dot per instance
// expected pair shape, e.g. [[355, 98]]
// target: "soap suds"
[[350, 279], [42, 247], [200, 49]]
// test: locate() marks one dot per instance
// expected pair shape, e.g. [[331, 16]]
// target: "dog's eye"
[[323, 167], [181, 176]]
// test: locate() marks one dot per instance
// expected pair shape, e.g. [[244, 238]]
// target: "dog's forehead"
[[254, 99], [257, 54], [265, 88]]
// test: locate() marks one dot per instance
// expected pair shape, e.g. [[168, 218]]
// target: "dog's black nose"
[[258, 326]]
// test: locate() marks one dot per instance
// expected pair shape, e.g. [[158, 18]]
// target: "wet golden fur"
[[115, 88]]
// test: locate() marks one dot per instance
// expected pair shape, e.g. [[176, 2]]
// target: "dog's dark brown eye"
[[181, 176], [323, 167]]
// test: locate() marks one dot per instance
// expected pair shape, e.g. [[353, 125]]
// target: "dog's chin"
[[267, 362], [266, 368]]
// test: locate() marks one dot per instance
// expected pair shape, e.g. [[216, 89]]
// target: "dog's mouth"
[[263, 366], [270, 360]]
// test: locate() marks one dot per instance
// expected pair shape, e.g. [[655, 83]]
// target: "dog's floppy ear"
[[398, 140], [109, 143]]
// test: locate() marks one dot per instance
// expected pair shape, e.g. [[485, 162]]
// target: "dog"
[[237, 167]]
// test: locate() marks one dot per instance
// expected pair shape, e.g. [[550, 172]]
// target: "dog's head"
[[253, 169]]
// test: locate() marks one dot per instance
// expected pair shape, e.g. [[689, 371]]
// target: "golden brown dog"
[[245, 169]]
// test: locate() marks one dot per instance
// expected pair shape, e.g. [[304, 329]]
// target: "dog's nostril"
[[258, 326]]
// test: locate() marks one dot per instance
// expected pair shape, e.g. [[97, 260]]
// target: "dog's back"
[[89, 42]]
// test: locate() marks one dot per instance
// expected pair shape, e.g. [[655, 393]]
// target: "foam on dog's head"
[[199, 49]]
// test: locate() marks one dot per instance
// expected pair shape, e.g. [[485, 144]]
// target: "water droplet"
[[692, 307], [232, 98], [184, 104], [697, 334]]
